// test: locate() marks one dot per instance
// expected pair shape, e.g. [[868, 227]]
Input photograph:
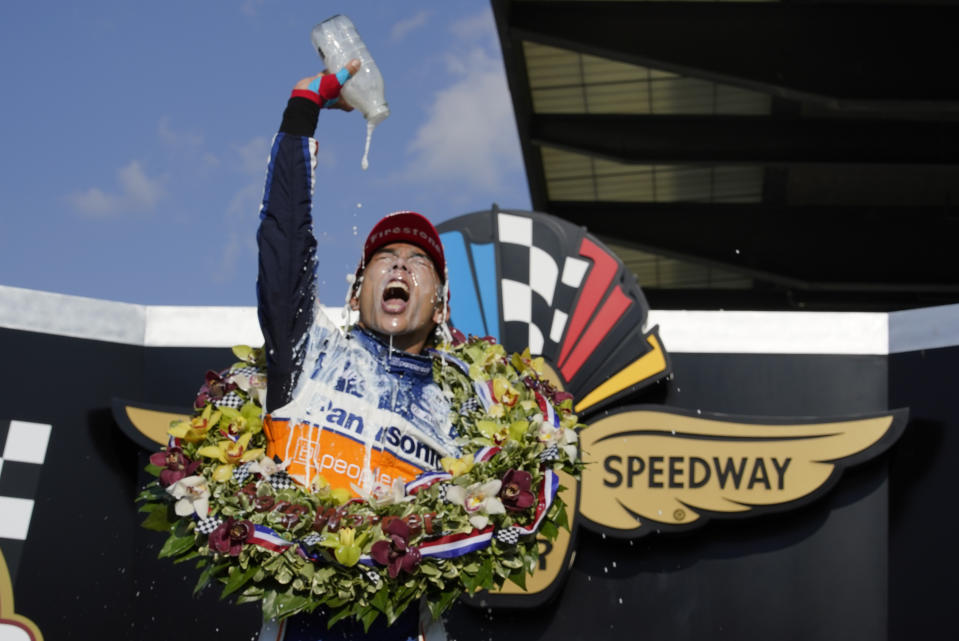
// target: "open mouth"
[[395, 296]]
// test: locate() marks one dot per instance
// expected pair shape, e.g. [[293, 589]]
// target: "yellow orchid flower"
[[518, 429], [341, 495], [247, 419], [347, 548], [457, 466], [504, 392], [494, 431], [525, 361], [230, 453], [194, 430], [319, 483]]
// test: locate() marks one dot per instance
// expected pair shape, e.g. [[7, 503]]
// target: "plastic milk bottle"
[[337, 42]]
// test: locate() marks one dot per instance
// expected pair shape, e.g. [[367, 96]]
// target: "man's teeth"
[[396, 289]]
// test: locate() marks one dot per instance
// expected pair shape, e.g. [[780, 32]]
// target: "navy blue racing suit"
[[344, 406]]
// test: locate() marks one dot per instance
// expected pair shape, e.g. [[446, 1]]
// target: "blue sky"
[[136, 137]]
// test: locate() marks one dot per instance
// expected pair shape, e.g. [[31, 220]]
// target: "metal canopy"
[[792, 154]]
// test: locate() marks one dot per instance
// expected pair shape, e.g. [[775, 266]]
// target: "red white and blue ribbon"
[[268, 538], [425, 480], [453, 545]]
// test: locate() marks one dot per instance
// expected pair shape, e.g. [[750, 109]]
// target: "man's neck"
[[412, 343]]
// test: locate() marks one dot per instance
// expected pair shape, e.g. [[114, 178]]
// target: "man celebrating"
[[359, 411]]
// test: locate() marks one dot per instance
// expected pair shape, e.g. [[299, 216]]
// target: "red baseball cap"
[[406, 227]]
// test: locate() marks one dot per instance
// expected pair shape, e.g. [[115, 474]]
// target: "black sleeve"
[[287, 250]]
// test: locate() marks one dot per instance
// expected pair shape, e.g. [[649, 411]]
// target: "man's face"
[[400, 296]]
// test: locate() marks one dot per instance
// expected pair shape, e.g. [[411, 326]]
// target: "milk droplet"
[[359, 205]]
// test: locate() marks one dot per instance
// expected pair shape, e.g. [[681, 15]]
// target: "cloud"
[[475, 27], [137, 193], [469, 138], [251, 7], [177, 139], [403, 28], [237, 238], [252, 156]]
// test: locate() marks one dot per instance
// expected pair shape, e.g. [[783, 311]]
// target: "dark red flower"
[[515, 493], [230, 536], [396, 552], [458, 337], [215, 388], [264, 503], [175, 463]]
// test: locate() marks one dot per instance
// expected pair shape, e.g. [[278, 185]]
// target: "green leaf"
[[189, 557], [438, 607], [176, 544], [237, 580], [367, 617], [153, 470], [209, 572], [288, 604], [157, 518], [548, 529], [519, 578], [153, 493], [342, 614]]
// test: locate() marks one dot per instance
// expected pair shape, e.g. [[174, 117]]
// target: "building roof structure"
[[761, 155]]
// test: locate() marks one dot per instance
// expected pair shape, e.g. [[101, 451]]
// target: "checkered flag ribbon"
[[551, 453], [311, 539], [247, 370], [372, 575], [441, 490], [469, 405], [241, 473], [232, 400], [282, 481], [207, 525], [508, 536]]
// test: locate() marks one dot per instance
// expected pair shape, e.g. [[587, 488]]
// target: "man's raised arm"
[[286, 282]]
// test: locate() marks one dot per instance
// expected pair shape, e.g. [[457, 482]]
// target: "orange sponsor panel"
[[337, 456]]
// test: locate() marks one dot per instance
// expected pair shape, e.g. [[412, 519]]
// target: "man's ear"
[[354, 303]]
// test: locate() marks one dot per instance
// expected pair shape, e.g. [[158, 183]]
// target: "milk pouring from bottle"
[[337, 42]]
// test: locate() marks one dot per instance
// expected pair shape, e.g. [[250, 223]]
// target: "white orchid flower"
[[479, 499], [252, 384], [267, 467], [380, 494], [562, 437], [193, 494]]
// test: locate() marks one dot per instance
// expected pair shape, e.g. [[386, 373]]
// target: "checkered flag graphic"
[[441, 489], [241, 473], [311, 539], [23, 449], [551, 453], [373, 576], [207, 525], [282, 481], [538, 291], [232, 399], [469, 405], [508, 536]]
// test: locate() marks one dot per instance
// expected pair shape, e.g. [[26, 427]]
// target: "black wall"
[[873, 558]]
